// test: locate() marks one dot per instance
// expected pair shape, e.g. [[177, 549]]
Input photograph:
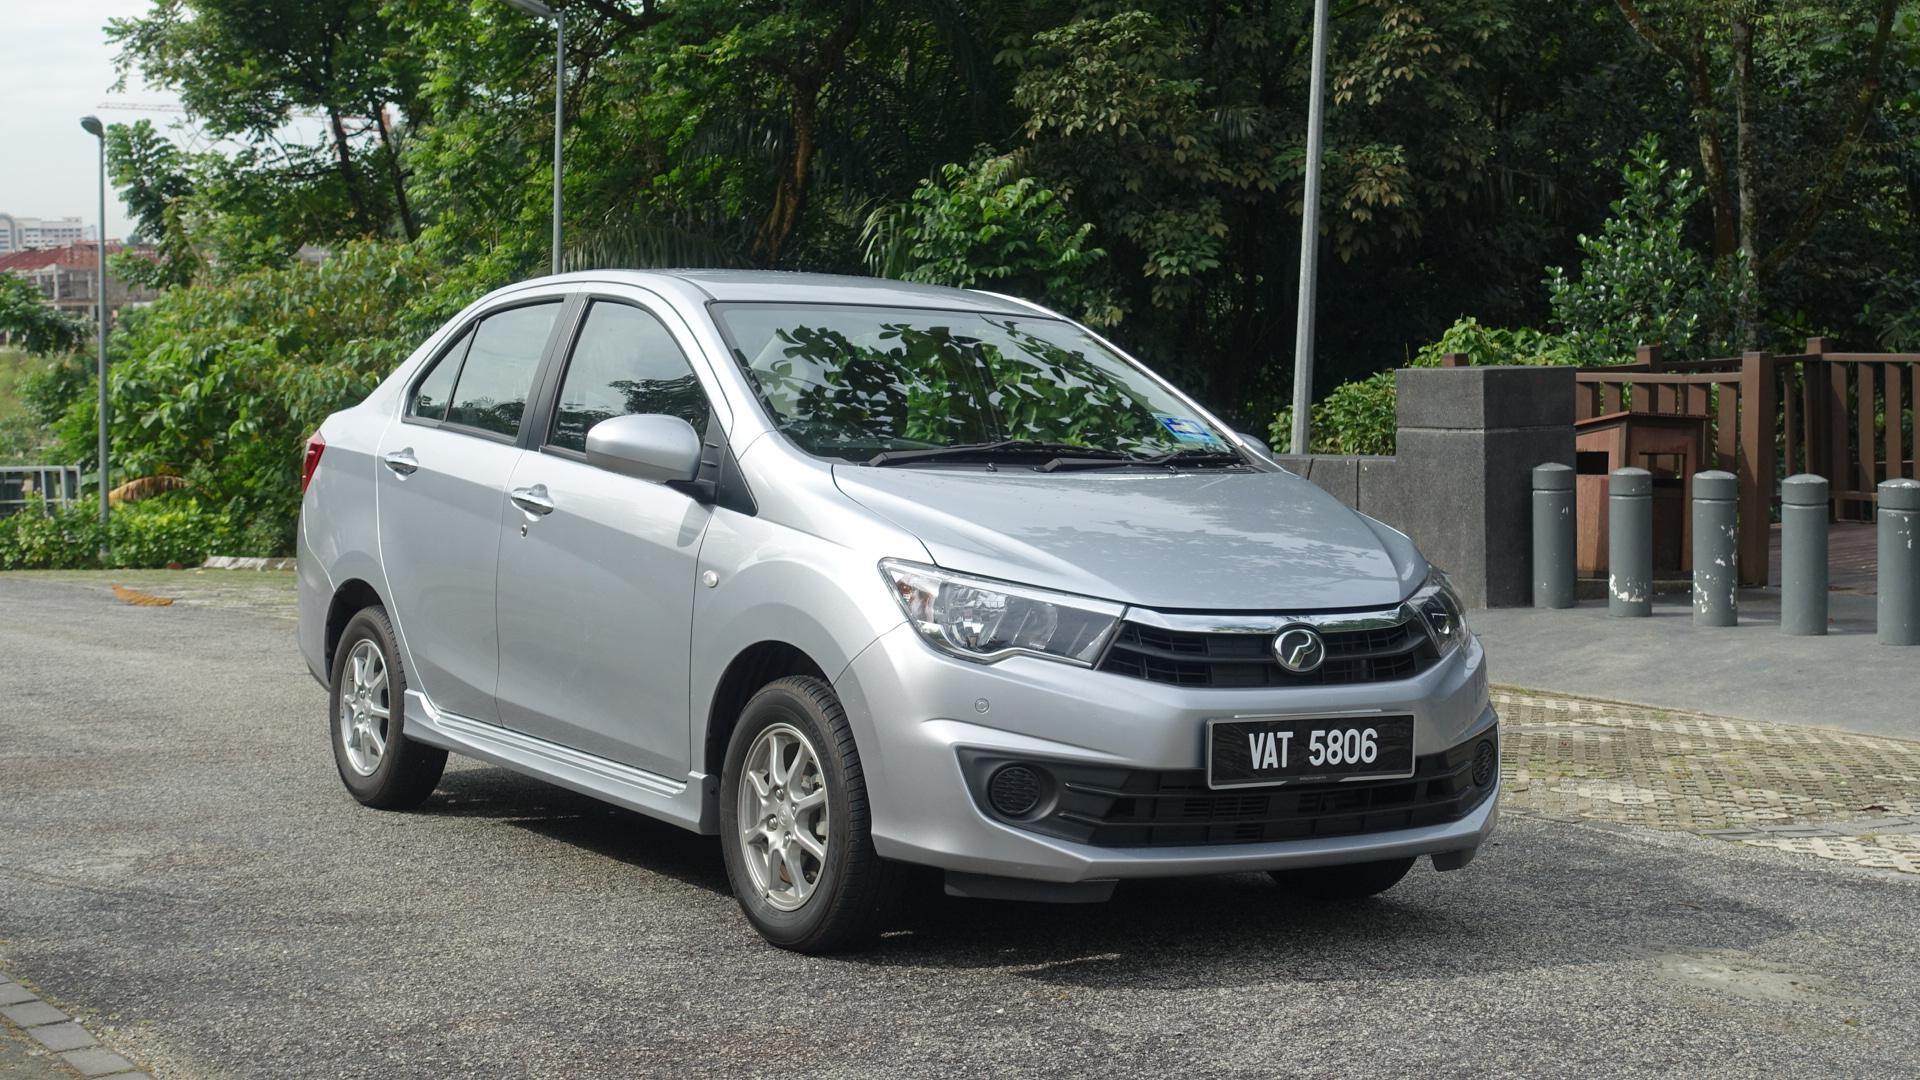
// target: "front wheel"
[[794, 824], [1354, 881]]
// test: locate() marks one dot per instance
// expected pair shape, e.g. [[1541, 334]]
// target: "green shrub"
[[1357, 418], [1640, 282], [1493, 346], [169, 529], [40, 537]]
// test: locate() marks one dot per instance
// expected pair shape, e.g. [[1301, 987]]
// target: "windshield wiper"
[[1197, 457], [1005, 448]]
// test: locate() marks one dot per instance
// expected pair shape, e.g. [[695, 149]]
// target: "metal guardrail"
[[21, 485]]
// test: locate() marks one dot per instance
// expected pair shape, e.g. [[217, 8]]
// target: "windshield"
[[854, 382]]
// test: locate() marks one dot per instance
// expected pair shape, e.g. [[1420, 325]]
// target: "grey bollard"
[[1715, 523], [1899, 581], [1553, 560], [1803, 556], [1630, 543]]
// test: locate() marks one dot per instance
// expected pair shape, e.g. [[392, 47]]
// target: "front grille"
[[1194, 658], [1145, 808]]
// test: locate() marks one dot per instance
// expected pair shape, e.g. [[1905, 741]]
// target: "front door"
[[442, 475], [597, 570]]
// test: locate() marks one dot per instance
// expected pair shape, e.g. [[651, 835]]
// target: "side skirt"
[[684, 802]]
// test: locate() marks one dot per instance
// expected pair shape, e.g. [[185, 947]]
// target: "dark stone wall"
[[1460, 480]]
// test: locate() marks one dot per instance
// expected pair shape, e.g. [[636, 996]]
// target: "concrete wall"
[[1460, 480]]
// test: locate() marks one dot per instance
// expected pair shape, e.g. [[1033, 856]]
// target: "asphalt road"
[[180, 868]]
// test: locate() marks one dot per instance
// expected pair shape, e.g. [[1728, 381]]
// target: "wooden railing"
[[1846, 416]]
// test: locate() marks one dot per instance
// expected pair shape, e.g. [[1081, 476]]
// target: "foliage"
[[1142, 164], [1640, 283], [40, 537], [986, 226], [222, 384], [34, 326], [168, 530], [1357, 418], [245, 68], [1489, 346]]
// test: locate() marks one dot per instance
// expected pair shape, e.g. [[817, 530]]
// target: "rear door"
[[597, 570], [443, 475]]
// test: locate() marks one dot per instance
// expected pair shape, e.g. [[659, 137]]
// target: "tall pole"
[[541, 11], [1309, 239], [559, 89], [94, 128]]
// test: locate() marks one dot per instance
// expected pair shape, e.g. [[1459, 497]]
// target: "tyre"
[[1354, 881], [366, 720], [794, 826]]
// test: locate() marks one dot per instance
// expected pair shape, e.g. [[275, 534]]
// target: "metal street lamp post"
[[540, 10], [1310, 239], [93, 127]]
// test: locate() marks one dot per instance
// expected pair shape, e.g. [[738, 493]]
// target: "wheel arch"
[[349, 599], [752, 668]]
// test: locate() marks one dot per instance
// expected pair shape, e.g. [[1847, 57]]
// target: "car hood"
[[1220, 541]]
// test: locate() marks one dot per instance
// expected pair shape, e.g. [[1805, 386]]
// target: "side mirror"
[[647, 446], [1256, 444]]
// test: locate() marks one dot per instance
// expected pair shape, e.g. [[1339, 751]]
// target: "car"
[[862, 576]]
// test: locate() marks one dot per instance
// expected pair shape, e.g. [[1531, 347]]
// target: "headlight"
[[984, 620], [1442, 612]]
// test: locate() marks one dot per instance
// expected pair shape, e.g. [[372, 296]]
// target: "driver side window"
[[624, 362]]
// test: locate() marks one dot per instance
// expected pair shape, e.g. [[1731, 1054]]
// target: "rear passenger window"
[[624, 362], [430, 397], [491, 393]]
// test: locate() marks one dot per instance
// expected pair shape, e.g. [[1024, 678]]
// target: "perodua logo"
[[1299, 649]]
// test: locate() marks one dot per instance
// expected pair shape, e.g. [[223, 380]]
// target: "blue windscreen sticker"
[[1187, 430]]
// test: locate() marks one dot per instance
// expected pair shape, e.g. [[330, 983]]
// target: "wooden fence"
[[1848, 417]]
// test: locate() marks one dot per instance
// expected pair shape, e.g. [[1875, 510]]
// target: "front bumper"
[[917, 713]]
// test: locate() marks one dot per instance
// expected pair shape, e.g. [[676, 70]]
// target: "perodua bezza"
[[858, 574]]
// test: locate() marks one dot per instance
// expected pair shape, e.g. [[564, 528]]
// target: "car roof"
[[782, 286]]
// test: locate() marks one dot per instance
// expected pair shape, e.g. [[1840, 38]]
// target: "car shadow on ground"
[[1499, 915], [484, 791], [1506, 912]]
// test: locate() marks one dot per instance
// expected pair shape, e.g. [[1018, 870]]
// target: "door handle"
[[532, 499], [402, 462]]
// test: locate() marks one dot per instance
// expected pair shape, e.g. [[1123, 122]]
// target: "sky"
[[59, 67]]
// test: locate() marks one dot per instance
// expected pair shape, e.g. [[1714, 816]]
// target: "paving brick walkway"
[[1832, 794]]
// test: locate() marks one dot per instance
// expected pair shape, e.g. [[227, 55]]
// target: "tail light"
[[315, 447]]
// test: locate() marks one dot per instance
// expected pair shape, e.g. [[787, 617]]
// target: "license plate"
[[1249, 751]]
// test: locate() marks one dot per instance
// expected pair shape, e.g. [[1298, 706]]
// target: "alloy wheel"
[[365, 708], [783, 817]]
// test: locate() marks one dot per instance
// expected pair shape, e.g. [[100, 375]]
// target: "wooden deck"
[[1852, 552]]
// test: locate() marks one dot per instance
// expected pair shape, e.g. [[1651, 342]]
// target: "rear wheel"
[[1354, 881], [366, 719], [794, 825]]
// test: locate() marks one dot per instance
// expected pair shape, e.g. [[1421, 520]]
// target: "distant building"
[[66, 276], [28, 233]]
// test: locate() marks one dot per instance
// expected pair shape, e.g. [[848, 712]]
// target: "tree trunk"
[[348, 174], [805, 85], [790, 186], [1746, 165], [398, 176]]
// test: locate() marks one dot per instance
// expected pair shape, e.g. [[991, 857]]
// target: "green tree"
[[33, 324], [986, 226], [1640, 282]]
